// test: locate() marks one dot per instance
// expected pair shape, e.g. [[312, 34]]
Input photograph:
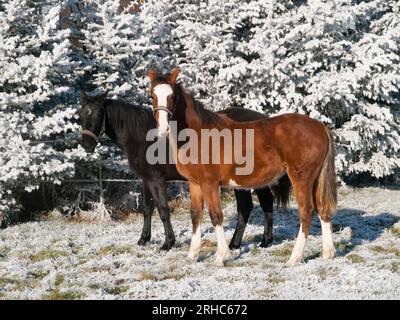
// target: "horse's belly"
[[267, 169], [253, 180]]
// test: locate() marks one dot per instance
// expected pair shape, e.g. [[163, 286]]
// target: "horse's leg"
[[159, 193], [303, 186], [328, 249], [244, 206], [211, 196], [266, 202], [148, 211], [196, 212]]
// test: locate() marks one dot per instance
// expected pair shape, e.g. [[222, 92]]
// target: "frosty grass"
[[57, 259]]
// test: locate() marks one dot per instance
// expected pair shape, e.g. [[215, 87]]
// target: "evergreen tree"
[[336, 60]]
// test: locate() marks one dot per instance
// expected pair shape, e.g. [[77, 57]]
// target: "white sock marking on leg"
[[195, 244], [328, 249], [298, 250], [223, 249]]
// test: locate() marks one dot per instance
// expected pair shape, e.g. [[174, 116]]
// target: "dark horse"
[[294, 144], [127, 125]]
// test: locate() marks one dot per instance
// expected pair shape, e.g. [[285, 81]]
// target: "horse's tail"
[[326, 191], [281, 191]]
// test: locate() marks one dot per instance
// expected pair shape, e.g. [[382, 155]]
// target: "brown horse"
[[294, 144]]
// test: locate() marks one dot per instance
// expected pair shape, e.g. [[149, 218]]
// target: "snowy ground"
[[55, 259]]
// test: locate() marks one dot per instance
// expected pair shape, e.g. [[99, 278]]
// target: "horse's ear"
[[103, 96], [83, 98], [173, 75], [152, 74]]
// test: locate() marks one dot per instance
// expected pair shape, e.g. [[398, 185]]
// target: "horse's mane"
[[128, 118], [206, 116]]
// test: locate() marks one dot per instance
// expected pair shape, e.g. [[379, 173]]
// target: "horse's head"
[[92, 119], [162, 90]]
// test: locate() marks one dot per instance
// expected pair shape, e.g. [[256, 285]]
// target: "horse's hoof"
[[292, 262], [233, 246], [167, 245], [221, 258], [328, 254], [192, 258], [227, 256], [143, 240], [266, 244], [219, 262]]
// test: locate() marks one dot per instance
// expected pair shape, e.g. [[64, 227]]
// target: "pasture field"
[[55, 258]]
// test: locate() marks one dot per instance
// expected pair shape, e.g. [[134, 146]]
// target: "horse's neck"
[[110, 128], [117, 126], [185, 114]]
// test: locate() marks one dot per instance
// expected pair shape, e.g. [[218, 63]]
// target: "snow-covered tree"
[[118, 48], [335, 60], [52, 50], [36, 85]]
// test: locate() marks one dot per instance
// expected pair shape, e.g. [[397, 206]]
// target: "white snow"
[[60, 259], [336, 61]]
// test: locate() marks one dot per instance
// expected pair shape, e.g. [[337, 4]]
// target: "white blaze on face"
[[162, 91]]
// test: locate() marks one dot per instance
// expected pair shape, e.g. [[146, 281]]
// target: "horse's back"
[[296, 137], [242, 114], [296, 127]]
